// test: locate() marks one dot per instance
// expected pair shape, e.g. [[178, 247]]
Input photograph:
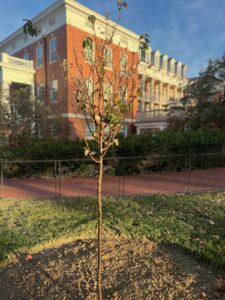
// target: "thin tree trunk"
[[99, 271]]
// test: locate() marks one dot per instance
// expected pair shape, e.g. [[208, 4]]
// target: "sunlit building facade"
[[36, 61]]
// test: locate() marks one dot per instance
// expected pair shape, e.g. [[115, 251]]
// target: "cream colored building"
[[162, 81], [17, 72]]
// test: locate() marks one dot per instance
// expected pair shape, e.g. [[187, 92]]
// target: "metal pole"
[[55, 175], [118, 185], [2, 182], [123, 184], [189, 174], [59, 179], [186, 174]]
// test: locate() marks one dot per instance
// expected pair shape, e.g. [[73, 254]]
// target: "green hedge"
[[165, 151], [175, 151]]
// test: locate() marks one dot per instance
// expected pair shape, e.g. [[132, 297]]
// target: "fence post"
[[123, 185], [119, 185], [189, 174], [55, 175], [59, 171], [2, 181]]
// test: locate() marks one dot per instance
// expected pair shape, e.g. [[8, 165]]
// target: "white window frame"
[[90, 87], [89, 58], [40, 92], [107, 86], [124, 130], [123, 92], [39, 58], [157, 61], [143, 55], [54, 91], [109, 58], [87, 131], [52, 51], [54, 130], [178, 70], [172, 68], [164, 64], [123, 64]]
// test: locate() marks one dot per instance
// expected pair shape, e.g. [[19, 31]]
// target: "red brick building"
[[63, 27]]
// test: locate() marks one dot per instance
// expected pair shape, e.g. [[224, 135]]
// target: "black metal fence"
[[153, 174]]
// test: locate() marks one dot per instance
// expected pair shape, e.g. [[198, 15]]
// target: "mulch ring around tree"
[[131, 270]]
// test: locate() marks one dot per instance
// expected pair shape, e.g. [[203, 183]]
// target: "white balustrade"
[[18, 62]]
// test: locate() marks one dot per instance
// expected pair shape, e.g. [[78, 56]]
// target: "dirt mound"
[[132, 270]]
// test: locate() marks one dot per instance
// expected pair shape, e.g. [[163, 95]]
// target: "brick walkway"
[[178, 182]]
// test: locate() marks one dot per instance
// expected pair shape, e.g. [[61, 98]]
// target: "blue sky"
[[189, 30]]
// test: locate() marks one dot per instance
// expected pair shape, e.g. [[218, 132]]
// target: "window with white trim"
[[124, 130], [157, 60], [53, 50], [143, 55], [123, 94], [40, 92], [54, 130], [88, 47], [54, 90], [90, 87], [123, 62], [107, 91], [90, 128], [147, 106], [39, 56], [108, 57], [171, 67]]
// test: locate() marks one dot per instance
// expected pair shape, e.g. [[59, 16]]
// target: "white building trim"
[[151, 125]]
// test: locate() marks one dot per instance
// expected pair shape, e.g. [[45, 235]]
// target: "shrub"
[[164, 151]]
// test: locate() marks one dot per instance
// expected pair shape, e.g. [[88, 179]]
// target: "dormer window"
[[163, 62], [155, 58], [184, 71], [178, 68], [171, 64], [143, 55]]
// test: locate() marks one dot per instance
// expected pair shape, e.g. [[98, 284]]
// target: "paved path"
[[200, 180]]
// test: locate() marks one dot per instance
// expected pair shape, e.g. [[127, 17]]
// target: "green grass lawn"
[[194, 222]]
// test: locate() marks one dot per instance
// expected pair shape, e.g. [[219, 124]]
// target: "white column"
[[5, 91], [152, 88], [161, 94]]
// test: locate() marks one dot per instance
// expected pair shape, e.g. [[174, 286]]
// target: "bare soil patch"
[[132, 270]]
